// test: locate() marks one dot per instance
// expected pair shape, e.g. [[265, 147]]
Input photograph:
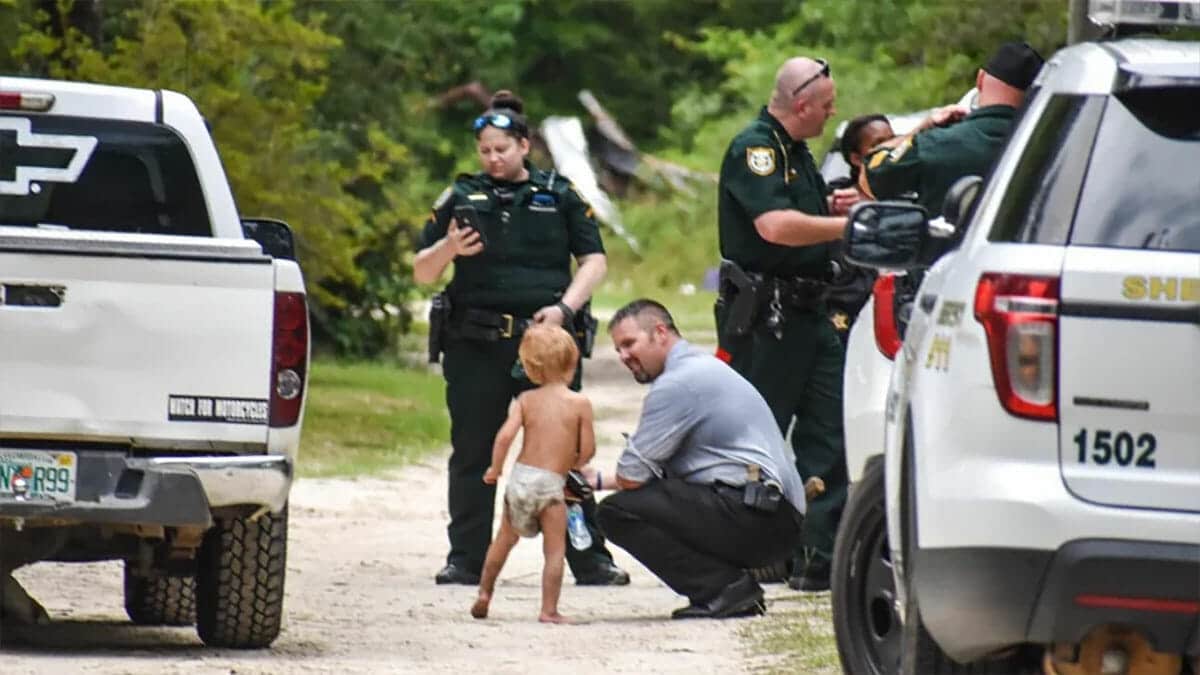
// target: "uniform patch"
[[761, 160], [443, 198], [877, 159], [898, 151]]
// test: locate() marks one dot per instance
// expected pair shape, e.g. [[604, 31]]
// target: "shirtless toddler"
[[558, 436]]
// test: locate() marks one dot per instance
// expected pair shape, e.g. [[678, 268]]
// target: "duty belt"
[[484, 324], [753, 297]]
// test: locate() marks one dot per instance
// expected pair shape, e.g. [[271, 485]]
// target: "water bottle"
[[581, 539]]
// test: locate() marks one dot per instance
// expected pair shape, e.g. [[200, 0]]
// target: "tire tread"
[[240, 582]]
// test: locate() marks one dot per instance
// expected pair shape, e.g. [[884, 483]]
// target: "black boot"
[[743, 597]]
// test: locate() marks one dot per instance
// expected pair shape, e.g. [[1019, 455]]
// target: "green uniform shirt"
[[532, 231], [765, 170], [930, 163]]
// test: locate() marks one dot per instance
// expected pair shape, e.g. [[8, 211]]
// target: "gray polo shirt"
[[703, 422]]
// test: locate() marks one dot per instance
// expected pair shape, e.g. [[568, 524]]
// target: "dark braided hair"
[[852, 138]]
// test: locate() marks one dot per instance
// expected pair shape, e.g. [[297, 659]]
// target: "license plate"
[[37, 475]]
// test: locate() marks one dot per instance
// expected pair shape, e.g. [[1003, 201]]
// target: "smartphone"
[[467, 216]]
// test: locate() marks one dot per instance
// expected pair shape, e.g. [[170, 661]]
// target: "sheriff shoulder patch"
[[442, 198], [898, 151], [761, 160], [877, 159]]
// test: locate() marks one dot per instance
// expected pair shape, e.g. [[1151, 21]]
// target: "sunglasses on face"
[[498, 120], [823, 72]]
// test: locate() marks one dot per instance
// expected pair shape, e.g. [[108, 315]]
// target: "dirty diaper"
[[529, 491]]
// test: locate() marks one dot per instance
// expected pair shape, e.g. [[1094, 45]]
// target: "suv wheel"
[[864, 591], [239, 581], [160, 600]]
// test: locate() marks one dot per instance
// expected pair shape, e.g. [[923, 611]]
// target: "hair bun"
[[506, 99]]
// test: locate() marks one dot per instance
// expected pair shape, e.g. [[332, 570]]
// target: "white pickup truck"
[[153, 358]]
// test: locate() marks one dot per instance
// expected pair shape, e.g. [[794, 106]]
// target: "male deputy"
[[772, 320], [926, 162], [707, 490]]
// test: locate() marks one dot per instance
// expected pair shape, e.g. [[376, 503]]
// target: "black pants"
[[479, 387], [697, 538], [800, 376]]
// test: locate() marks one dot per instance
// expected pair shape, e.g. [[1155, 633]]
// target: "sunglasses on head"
[[498, 120], [823, 72]]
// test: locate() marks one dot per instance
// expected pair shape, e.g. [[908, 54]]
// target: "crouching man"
[[706, 489]]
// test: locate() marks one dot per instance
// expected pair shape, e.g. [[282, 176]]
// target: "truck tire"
[[239, 581], [160, 600], [865, 620]]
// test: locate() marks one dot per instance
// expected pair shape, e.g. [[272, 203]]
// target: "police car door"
[[1129, 314]]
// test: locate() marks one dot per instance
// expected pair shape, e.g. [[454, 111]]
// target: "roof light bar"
[[26, 100], [1145, 12]]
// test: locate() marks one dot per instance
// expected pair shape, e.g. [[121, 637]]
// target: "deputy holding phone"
[[511, 231]]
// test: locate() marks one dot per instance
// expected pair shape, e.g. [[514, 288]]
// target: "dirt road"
[[361, 597]]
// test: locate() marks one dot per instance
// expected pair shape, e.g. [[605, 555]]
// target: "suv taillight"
[[1020, 315], [289, 358], [887, 333]]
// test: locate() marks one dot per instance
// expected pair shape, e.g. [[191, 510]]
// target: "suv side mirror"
[[886, 235], [960, 200], [274, 236]]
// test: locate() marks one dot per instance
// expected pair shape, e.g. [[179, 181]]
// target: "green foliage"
[[332, 114]]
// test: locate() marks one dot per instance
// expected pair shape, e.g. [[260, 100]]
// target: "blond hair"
[[549, 354]]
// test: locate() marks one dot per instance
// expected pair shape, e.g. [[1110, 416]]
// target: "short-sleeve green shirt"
[[930, 163], [533, 229], [764, 169]]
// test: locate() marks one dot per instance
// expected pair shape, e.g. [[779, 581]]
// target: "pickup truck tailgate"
[[162, 341]]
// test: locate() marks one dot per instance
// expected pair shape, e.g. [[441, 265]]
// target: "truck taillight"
[[289, 358], [26, 100], [1020, 315], [887, 333]]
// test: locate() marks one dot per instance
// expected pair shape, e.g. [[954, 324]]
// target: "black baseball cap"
[[1015, 64]]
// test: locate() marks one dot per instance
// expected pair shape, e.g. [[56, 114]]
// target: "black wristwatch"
[[568, 313]]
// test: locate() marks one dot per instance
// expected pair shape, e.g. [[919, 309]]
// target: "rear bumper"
[[167, 491], [262, 480], [977, 600]]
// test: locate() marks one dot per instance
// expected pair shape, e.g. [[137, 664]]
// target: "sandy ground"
[[361, 598]]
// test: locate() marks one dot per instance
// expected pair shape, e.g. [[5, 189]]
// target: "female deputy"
[[511, 231]]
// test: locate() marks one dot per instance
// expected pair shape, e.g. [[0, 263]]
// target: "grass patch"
[[363, 418], [795, 636]]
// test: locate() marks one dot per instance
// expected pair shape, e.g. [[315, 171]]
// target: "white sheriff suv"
[[153, 357], [1037, 504]]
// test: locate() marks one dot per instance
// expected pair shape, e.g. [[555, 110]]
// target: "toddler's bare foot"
[[553, 618], [480, 608]]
